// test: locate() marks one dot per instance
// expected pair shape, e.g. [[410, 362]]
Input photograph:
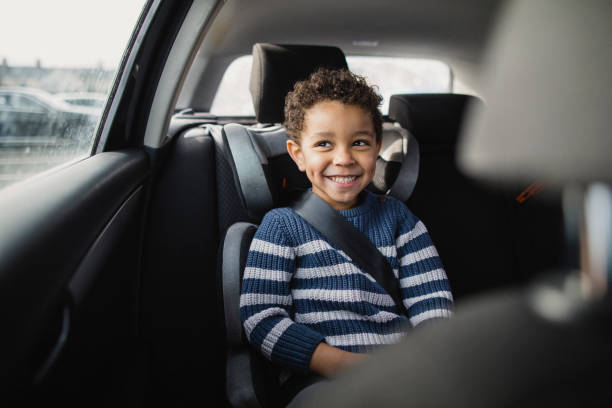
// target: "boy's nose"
[[343, 157]]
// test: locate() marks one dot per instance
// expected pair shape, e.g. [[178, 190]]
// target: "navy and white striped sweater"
[[298, 290]]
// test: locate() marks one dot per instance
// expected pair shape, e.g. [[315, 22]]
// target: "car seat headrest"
[[548, 120], [276, 68], [431, 118]]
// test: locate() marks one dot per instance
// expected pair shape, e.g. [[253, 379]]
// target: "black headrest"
[[276, 68], [431, 118]]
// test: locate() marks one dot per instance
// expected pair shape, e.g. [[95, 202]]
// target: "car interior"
[[120, 273]]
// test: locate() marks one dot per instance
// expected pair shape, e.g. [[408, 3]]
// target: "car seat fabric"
[[178, 262], [248, 375], [485, 238], [432, 118], [276, 68], [537, 361], [468, 221], [230, 206]]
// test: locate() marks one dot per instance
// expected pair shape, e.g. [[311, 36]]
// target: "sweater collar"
[[367, 201]]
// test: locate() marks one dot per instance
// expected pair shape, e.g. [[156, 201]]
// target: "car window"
[[391, 75], [402, 75], [58, 51]]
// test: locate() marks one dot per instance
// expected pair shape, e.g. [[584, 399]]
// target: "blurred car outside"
[[93, 100], [39, 131], [30, 112]]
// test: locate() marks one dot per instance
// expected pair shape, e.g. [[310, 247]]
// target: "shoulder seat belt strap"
[[349, 239], [251, 178], [409, 172]]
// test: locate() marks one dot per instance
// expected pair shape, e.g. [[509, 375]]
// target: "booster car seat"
[[264, 176]]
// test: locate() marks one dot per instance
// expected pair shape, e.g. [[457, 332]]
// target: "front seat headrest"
[[431, 118], [276, 68], [548, 120]]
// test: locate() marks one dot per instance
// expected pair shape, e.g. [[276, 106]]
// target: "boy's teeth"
[[343, 179]]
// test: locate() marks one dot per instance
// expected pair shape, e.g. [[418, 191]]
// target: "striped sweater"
[[298, 290]]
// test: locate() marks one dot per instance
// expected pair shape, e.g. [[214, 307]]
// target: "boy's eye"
[[323, 143], [361, 143]]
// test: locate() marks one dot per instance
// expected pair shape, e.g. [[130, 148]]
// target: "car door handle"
[[57, 348]]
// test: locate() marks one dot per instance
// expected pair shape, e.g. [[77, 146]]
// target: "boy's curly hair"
[[333, 85]]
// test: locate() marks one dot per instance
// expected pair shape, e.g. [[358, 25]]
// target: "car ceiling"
[[455, 32]]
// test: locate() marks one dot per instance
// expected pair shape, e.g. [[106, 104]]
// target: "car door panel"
[[104, 354], [71, 248], [47, 240]]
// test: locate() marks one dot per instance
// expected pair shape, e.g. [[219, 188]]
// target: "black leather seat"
[[485, 237]]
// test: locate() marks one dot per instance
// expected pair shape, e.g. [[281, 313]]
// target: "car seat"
[[260, 175], [513, 239]]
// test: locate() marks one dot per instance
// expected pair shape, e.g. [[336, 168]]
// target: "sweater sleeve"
[[265, 300], [425, 288]]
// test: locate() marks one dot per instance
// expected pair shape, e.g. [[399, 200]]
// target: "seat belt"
[[252, 181], [349, 239], [409, 172]]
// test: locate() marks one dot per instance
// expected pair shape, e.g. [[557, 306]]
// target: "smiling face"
[[337, 150]]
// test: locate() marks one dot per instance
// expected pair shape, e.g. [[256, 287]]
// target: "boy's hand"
[[328, 361]]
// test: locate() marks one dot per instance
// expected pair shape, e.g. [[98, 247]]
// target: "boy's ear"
[[295, 151]]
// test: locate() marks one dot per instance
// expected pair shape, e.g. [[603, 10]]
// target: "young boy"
[[304, 304]]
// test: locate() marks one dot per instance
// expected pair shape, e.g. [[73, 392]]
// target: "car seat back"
[[250, 380], [486, 238]]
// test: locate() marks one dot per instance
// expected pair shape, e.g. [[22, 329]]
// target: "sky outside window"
[[66, 33]]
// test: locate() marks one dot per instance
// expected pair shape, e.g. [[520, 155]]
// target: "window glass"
[[402, 75], [390, 75], [56, 70], [5, 101], [233, 97], [27, 104]]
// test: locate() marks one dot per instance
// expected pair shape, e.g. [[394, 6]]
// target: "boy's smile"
[[337, 150]]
